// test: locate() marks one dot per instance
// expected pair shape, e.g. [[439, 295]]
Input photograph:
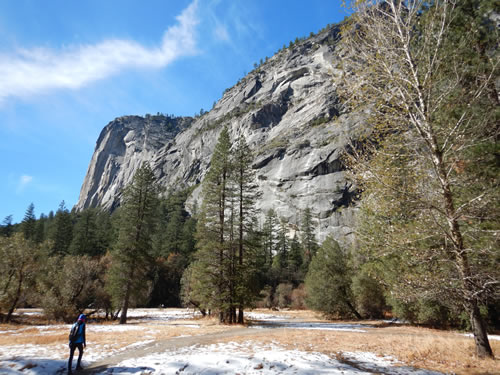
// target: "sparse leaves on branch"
[[423, 72]]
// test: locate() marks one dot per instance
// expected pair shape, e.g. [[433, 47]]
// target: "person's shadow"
[[42, 366], [63, 370], [115, 369]]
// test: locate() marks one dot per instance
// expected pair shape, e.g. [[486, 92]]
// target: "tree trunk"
[[114, 315], [16, 299], [353, 309], [483, 348], [240, 246], [240, 315], [126, 298]]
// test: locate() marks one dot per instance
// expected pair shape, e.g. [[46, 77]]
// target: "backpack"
[[73, 333]]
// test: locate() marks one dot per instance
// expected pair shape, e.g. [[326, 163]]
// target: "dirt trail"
[[167, 344]]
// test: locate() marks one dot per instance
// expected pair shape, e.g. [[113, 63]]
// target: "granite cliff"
[[289, 112]]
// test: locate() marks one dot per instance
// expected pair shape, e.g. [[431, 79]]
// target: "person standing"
[[77, 340]]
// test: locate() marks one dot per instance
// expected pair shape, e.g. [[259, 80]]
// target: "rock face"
[[121, 148], [288, 111]]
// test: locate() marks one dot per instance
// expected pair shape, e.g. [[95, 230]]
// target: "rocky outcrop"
[[121, 148], [288, 111]]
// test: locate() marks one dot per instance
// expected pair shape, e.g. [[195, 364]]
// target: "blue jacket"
[[80, 337]]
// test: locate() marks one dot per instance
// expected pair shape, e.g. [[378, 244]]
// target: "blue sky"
[[67, 68]]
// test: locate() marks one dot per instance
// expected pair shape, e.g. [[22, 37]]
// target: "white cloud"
[[24, 180], [221, 33], [30, 72]]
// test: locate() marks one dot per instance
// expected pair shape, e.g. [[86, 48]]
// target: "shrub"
[[283, 297], [328, 282], [69, 286], [266, 298], [369, 296], [299, 297], [424, 311]]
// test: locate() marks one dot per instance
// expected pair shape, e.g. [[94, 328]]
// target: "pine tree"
[[328, 282], [245, 196], [173, 245], [226, 264], [269, 234], [63, 231], [308, 239], [7, 227], [188, 244], [85, 236], [213, 232], [29, 223], [170, 236], [295, 261], [281, 261], [131, 257], [40, 229], [194, 290], [50, 226], [106, 234]]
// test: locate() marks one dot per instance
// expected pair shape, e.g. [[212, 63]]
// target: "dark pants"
[[72, 348]]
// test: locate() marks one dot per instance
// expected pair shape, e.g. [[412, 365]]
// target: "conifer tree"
[[106, 234], [245, 196], [328, 282], [173, 245], [226, 258], [188, 244], [85, 237], [63, 230], [170, 234], [7, 227], [281, 261], [194, 290], [214, 246], [295, 261], [269, 234], [40, 229], [308, 239], [29, 222], [131, 255]]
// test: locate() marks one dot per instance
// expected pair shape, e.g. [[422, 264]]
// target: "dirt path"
[[171, 344], [167, 344]]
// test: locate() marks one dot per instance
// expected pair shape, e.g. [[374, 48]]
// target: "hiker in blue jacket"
[[77, 340]]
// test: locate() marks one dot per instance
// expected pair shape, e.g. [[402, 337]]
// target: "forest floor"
[[177, 341]]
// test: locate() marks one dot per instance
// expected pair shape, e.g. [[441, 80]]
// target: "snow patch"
[[249, 358], [313, 326], [490, 337]]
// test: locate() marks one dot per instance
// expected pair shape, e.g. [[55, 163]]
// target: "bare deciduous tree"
[[424, 71], [17, 271]]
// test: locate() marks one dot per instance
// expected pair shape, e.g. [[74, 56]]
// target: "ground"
[[178, 341]]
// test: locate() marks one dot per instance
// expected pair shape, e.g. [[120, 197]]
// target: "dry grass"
[[431, 349], [47, 334], [443, 351], [294, 314]]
